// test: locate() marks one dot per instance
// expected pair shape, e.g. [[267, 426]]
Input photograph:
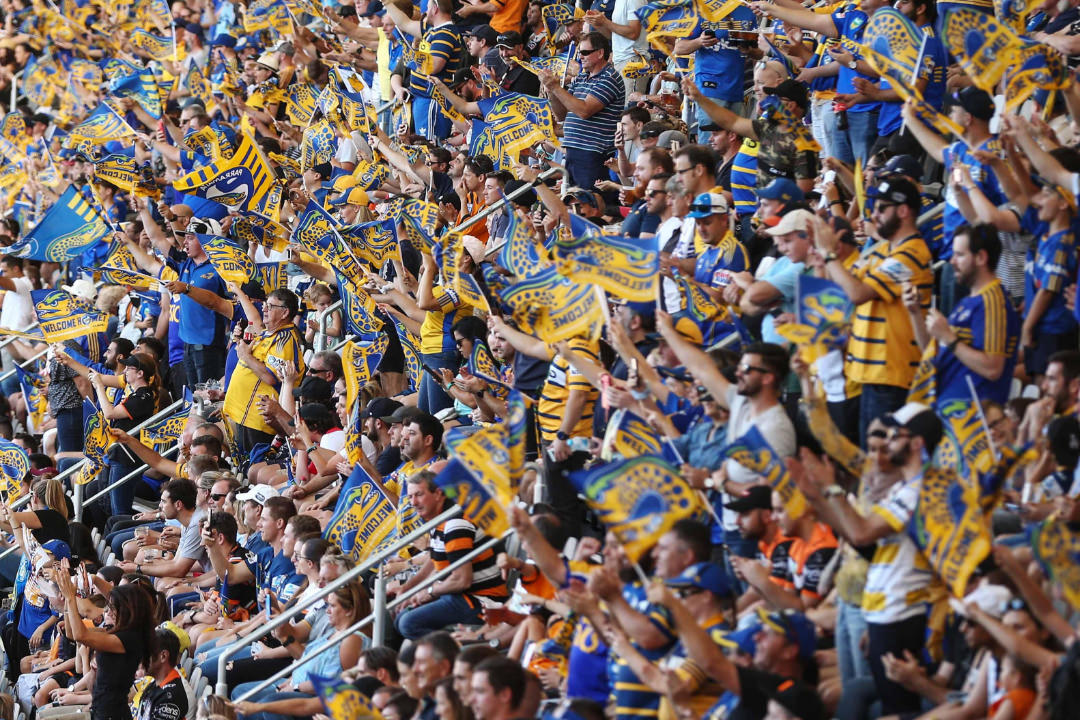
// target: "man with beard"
[[900, 582], [752, 401], [882, 352], [978, 339], [378, 431]]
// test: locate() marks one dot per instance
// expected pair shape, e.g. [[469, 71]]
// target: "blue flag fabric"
[[70, 227]]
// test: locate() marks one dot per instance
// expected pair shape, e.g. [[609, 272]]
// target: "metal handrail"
[[321, 337], [15, 89], [222, 687], [25, 364], [12, 338], [133, 475], [375, 617]]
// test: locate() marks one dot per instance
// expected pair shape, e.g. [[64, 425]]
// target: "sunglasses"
[[218, 496], [747, 367], [654, 193], [586, 53]]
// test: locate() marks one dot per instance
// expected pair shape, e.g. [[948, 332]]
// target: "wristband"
[[312, 449], [951, 347], [836, 202]]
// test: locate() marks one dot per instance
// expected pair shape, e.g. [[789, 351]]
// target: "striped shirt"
[[436, 332], [744, 178], [633, 698], [446, 43], [596, 133], [455, 539], [882, 349], [900, 581], [986, 321], [1050, 266], [561, 379], [276, 351]]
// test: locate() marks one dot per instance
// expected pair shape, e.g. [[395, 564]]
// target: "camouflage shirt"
[[783, 152]]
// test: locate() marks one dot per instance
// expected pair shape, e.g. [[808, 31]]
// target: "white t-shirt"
[[773, 424], [17, 310], [684, 248], [622, 49]]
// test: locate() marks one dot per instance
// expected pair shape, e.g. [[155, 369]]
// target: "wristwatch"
[[830, 256], [853, 63], [560, 435], [951, 347], [834, 491]]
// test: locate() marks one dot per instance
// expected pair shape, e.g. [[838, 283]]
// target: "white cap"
[[991, 599], [794, 221], [81, 288], [257, 493]]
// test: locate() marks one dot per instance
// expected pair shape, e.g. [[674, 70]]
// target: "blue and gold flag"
[[1038, 67], [374, 242], [984, 47], [255, 228], [664, 20], [14, 139], [342, 700], [243, 182], [300, 103], [349, 85], [629, 436], [63, 317], [70, 227], [33, 387], [229, 261], [271, 276], [522, 253], [360, 318], [964, 445], [118, 170], [891, 34], [638, 499], [363, 517], [98, 440], [465, 488], [319, 144], [715, 10], [419, 217], [516, 415], [39, 80], [714, 321], [370, 174], [554, 307], [482, 364], [556, 64], [754, 453], [157, 12], [103, 125], [14, 466], [778, 55], [1057, 549], [130, 278], [556, 16], [626, 267], [949, 527], [198, 86], [165, 433], [1014, 13], [143, 88], [359, 361], [517, 121], [823, 317], [924, 384], [157, 47]]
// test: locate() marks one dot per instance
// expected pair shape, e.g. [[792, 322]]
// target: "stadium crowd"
[[508, 359]]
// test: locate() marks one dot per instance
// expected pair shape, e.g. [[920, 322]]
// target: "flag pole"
[[916, 70]]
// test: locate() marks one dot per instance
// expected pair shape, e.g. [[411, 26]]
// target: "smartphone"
[[267, 604], [957, 175], [829, 176]]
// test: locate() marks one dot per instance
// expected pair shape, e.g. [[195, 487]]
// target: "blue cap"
[[705, 575], [707, 204], [224, 40], [795, 626], [59, 549], [782, 189], [742, 639]]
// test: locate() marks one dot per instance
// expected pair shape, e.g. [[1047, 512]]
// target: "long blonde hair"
[[51, 494]]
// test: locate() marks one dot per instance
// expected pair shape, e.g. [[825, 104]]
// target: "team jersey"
[[982, 173], [899, 581], [718, 70], [1051, 266], [436, 332], [587, 673], [276, 350], [882, 348], [775, 555], [717, 264], [561, 379], [444, 42], [986, 321], [633, 698], [456, 538], [704, 691], [744, 177], [167, 700], [813, 562]]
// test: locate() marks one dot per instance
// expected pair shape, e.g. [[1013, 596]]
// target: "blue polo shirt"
[[851, 25], [1051, 266], [718, 70], [200, 325]]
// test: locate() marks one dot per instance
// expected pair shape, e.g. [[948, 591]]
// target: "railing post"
[[77, 500], [378, 633], [322, 341]]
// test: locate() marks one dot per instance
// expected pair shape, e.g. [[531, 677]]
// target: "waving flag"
[[824, 317], [754, 453], [899, 78], [667, 19], [40, 79], [478, 479], [198, 86], [409, 345], [317, 232], [517, 121], [949, 527], [98, 440], [629, 436], [300, 103], [131, 278], [62, 317], [360, 318], [363, 517], [143, 89], [778, 55], [1014, 13], [715, 10], [964, 444], [33, 387], [118, 170], [261, 230], [229, 261], [419, 217], [1038, 67], [625, 267], [156, 11], [243, 182], [342, 700], [156, 46], [354, 108], [554, 307], [70, 227], [374, 242], [483, 365], [924, 385], [370, 174], [891, 34], [1057, 549], [318, 146], [556, 64], [165, 433], [271, 276], [984, 47], [103, 125], [637, 499], [14, 139], [522, 253], [713, 320], [557, 16], [14, 466], [360, 360]]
